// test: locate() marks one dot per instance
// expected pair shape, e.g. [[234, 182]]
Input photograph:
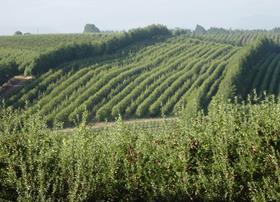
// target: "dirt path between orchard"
[[15, 82], [100, 125]]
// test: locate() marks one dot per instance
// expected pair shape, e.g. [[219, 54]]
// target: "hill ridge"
[[149, 79]]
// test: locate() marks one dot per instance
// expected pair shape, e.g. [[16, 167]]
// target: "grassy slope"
[[255, 67], [232, 154], [148, 80], [143, 83], [18, 53]]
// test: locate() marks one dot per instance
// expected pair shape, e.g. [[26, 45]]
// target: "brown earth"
[[15, 82], [100, 125]]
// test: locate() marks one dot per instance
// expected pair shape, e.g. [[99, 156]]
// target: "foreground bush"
[[232, 154]]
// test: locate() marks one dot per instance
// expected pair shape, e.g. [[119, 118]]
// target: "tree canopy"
[[199, 30], [17, 33], [90, 28]]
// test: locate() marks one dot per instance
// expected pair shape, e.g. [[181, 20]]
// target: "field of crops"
[[210, 145], [41, 43], [238, 38], [147, 83], [124, 75], [266, 75], [18, 53], [151, 80]]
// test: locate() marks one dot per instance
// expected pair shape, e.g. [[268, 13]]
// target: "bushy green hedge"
[[7, 70], [232, 154]]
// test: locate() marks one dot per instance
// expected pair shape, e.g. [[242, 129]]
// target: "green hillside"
[[216, 144], [255, 67], [145, 83], [18, 53], [145, 72], [239, 38]]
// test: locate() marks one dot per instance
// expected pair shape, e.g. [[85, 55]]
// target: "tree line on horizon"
[[199, 29]]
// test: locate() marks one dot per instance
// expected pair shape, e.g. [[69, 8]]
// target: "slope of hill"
[[146, 73], [254, 68], [229, 154], [145, 83], [238, 38], [37, 54], [18, 53]]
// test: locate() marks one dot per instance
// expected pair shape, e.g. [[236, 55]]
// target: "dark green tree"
[[199, 30], [90, 28], [276, 30], [180, 31], [18, 33], [216, 30]]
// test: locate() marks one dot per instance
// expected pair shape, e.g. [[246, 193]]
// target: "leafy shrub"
[[228, 155]]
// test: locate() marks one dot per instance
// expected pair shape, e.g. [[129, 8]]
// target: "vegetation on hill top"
[[37, 54], [122, 74], [148, 82], [222, 146]]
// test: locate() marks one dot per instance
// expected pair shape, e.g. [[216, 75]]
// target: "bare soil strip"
[[15, 82], [100, 125]]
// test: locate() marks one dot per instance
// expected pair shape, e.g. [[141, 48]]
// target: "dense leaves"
[[240, 79], [232, 154]]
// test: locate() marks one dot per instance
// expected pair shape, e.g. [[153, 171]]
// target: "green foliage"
[[7, 70], [236, 37], [71, 52], [215, 30], [18, 33], [89, 28], [36, 54], [276, 30], [144, 72], [145, 83], [24, 51], [241, 66], [180, 31], [199, 30], [231, 154]]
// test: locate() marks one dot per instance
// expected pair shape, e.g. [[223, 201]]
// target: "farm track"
[[149, 122], [14, 83]]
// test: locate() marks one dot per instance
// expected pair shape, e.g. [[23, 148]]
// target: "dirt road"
[[100, 125], [15, 82]]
